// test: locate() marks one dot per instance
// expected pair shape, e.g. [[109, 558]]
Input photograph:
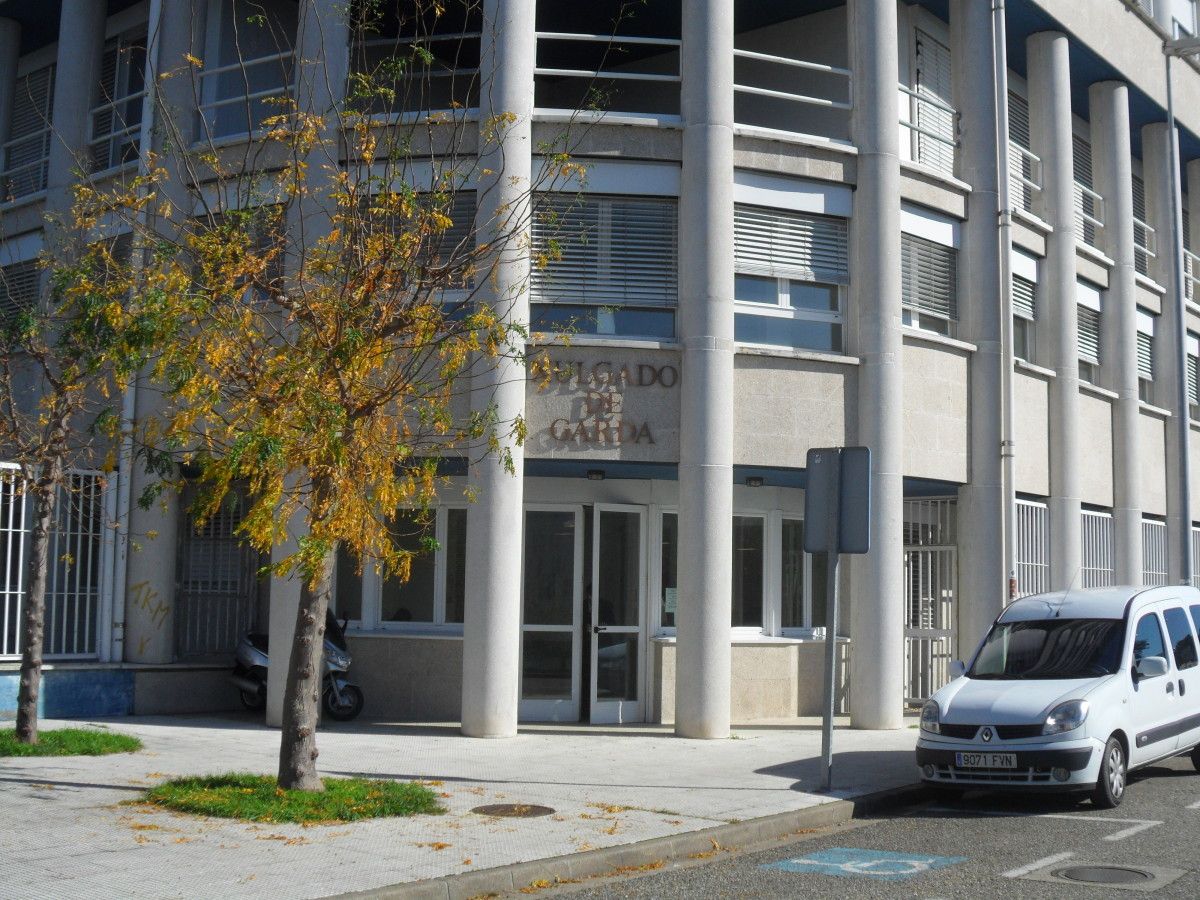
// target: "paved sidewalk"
[[63, 833]]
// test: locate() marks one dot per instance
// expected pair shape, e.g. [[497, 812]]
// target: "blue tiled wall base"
[[73, 693]]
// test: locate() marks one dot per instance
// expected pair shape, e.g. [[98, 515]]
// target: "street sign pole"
[[831, 630]]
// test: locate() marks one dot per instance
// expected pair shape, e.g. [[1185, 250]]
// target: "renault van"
[[1070, 691]]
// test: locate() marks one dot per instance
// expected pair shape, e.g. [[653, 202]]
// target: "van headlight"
[[1066, 717], [931, 718]]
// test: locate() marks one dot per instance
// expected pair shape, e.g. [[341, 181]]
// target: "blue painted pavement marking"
[[846, 862]]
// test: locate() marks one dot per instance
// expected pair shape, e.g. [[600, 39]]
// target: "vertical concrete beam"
[[702, 686], [1160, 211], [1049, 76], [76, 82], [1112, 169], [877, 613], [492, 618], [982, 503], [10, 55]]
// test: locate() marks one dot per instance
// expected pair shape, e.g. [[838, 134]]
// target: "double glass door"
[[583, 623]]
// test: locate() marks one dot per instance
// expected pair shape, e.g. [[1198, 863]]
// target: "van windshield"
[[1050, 648]]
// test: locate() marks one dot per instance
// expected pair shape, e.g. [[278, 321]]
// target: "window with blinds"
[[116, 118], [934, 137], [19, 286], [1024, 316], [1143, 237], [1089, 335], [604, 264], [24, 159], [1088, 206], [1193, 373], [790, 267], [1146, 323], [1022, 169], [929, 283]]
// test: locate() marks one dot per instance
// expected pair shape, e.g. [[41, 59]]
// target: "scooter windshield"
[[334, 633]]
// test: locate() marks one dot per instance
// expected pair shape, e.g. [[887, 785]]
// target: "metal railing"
[[1099, 558], [593, 99], [1154, 553], [930, 593], [934, 147], [1145, 245], [1089, 214], [225, 110], [1033, 547], [1191, 274], [784, 64], [446, 77], [29, 176], [115, 139], [1025, 174]]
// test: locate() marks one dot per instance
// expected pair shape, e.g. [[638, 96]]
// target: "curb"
[[505, 879]]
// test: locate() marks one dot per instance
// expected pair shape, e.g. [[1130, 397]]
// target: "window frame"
[[782, 309], [912, 314]]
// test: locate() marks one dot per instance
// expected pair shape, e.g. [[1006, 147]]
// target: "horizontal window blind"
[[1018, 120], [19, 284], [1081, 157], [1193, 368], [1023, 298], [608, 251], [24, 160], [786, 244], [1145, 356], [1089, 335], [929, 276]]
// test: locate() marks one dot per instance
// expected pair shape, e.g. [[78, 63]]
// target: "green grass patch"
[[69, 742], [257, 798]]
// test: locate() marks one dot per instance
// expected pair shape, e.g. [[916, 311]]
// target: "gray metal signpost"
[[837, 517]]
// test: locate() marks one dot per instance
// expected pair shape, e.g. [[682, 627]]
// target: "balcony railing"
[[1191, 275], [444, 80], [1145, 246], [1025, 175], [26, 165], [1089, 214], [239, 97], [116, 129], [822, 110], [933, 127]]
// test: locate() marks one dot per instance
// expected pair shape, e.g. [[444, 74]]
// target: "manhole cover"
[[513, 810], [1105, 875]]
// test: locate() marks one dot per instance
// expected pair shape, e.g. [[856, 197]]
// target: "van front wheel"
[[1196, 757], [1110, 786]]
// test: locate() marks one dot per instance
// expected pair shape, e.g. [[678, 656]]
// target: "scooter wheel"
[[255, 700], [349, 708]]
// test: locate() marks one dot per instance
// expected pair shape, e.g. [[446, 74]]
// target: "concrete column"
[[76, 81], [1156, 161], [877, 613], [702, 693], [492, 618], [1049, 77], [1112, 169], [982, 580], [10, 55]]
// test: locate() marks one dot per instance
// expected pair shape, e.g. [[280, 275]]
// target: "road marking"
[[1034, 866], [882, 865], [1135, 825]]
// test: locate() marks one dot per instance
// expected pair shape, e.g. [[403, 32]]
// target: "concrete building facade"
[[936, 229]]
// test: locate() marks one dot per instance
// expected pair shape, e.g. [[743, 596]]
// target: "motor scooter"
[[341, 699]]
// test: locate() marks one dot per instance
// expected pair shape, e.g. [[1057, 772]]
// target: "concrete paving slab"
[[64, 830]]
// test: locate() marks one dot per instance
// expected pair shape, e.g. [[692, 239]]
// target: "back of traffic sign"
[[838, 490]]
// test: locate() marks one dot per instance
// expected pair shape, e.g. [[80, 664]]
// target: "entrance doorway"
[[583, 614]]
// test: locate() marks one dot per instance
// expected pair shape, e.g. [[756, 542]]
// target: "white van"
[[1070, 691]]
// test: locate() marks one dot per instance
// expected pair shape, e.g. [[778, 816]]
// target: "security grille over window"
[[1098, 566], [930, 592], [117, 118], [1154, 552], [24, 156], [1144, 246], [218, 587], [1024, 167], [79, 544], [1089, 206], [604, 264], [931, 119], [19, 286], [929, 279], [1033, 548]]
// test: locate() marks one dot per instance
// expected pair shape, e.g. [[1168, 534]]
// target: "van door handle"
[[1182, 687]]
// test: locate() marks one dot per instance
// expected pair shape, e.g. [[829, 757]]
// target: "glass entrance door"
[[552, 615], [617, 630]]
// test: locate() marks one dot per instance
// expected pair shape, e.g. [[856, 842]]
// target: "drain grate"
[[1105, 875], [513, 810]]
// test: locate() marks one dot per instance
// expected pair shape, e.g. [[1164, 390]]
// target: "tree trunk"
[[44, 491], [302, 696]]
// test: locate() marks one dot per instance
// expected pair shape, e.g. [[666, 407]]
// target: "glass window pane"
[[1149, 640], [456, 564], [566, 318], [412, 600], [546, 663], [1183, 645], [549, 568], [748, 540], [793, 574], [756, 289], [670, 570], [784, 332], [819, 297], [620, 568], [616, 667], [347, 602]]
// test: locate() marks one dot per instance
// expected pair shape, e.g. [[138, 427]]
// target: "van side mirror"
[[1151, 667], [957, 669]]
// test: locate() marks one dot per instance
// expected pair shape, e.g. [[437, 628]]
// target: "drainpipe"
[[1004, 236]]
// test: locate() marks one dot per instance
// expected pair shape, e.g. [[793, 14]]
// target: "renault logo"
[[986, 734]]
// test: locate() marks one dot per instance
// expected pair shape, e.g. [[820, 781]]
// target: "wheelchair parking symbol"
[[882, 865]]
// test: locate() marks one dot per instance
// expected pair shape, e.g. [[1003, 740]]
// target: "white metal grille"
[[930, 592], [217, 594], [929, 277], [74, 590], [1033, 548], [1097, 536], [1154, 552], [602, 250]]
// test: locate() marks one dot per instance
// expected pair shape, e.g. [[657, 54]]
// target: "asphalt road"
[[984, 845]]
